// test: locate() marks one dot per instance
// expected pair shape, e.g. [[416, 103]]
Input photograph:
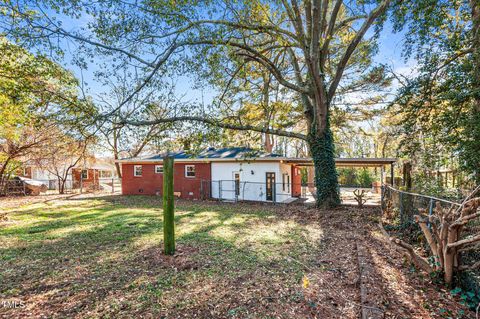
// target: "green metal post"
[[168, 207]]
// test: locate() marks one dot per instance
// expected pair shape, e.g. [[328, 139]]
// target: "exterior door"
[[270, 186], [236, 179]]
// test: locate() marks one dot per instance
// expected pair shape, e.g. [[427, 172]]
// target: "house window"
[[189, 170], [105, 174], [159, 169], [137, 170], [84, 174]]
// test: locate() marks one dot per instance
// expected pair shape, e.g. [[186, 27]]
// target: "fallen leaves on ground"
[[92, 256]]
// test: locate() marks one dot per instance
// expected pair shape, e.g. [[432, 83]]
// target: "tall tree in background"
[[261, 102], [124, 140], [60, 155], [439, 110], [37, 96]]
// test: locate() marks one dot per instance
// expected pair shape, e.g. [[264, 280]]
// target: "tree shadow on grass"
[[109, 263]]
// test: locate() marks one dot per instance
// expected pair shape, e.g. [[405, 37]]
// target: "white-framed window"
[[189, 170], [137, 170], [158, 169], [84, 173], [105, 174]]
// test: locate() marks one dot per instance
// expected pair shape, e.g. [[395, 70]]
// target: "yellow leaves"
[[259, 12], [12, 116], [305, 282], [348, 37]]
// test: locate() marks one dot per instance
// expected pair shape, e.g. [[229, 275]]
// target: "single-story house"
[[90, 174], [232, 173]]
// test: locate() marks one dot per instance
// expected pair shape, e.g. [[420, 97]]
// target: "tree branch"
[[464, 242], [353, 45], [217, 123]]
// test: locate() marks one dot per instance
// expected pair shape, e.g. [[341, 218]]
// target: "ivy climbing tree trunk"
[[322, 149], [168, 207]]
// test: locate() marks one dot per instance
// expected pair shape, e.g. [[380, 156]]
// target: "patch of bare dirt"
[[154, 257]]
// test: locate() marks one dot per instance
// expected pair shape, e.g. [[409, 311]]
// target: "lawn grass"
[[92, 257]]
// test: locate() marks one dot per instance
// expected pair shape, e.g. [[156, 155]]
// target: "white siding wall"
[[41, 175], [255, 186], [44, 175]]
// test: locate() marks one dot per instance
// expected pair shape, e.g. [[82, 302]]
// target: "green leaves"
[[468, 298], [437, 110]]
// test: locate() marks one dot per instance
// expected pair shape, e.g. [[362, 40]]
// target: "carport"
[[382, 163]]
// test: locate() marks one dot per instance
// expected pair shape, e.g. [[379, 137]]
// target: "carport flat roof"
[[347, 162]]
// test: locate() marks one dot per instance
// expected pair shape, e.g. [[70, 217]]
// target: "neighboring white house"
[[94, 170]]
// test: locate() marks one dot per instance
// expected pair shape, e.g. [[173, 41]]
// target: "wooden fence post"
[[168, 207], [430, 210]]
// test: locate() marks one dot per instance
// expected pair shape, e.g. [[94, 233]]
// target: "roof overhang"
[[203, 160], [340, 162]]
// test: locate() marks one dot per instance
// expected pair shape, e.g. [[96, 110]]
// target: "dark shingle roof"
[[226, 152]]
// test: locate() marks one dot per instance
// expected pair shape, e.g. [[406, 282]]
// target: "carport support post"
[[382, 173], [168, 207], [392, 182]]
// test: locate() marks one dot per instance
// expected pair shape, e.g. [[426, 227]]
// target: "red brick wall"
[[92, 179], [151, 183], [296, 181]]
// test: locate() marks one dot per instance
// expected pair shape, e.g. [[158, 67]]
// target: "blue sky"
[[390, 50]]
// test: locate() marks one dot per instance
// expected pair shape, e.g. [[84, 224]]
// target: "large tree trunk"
[[268, 143], [61, 185], [3, 169], [117, 165], [322, 149]]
